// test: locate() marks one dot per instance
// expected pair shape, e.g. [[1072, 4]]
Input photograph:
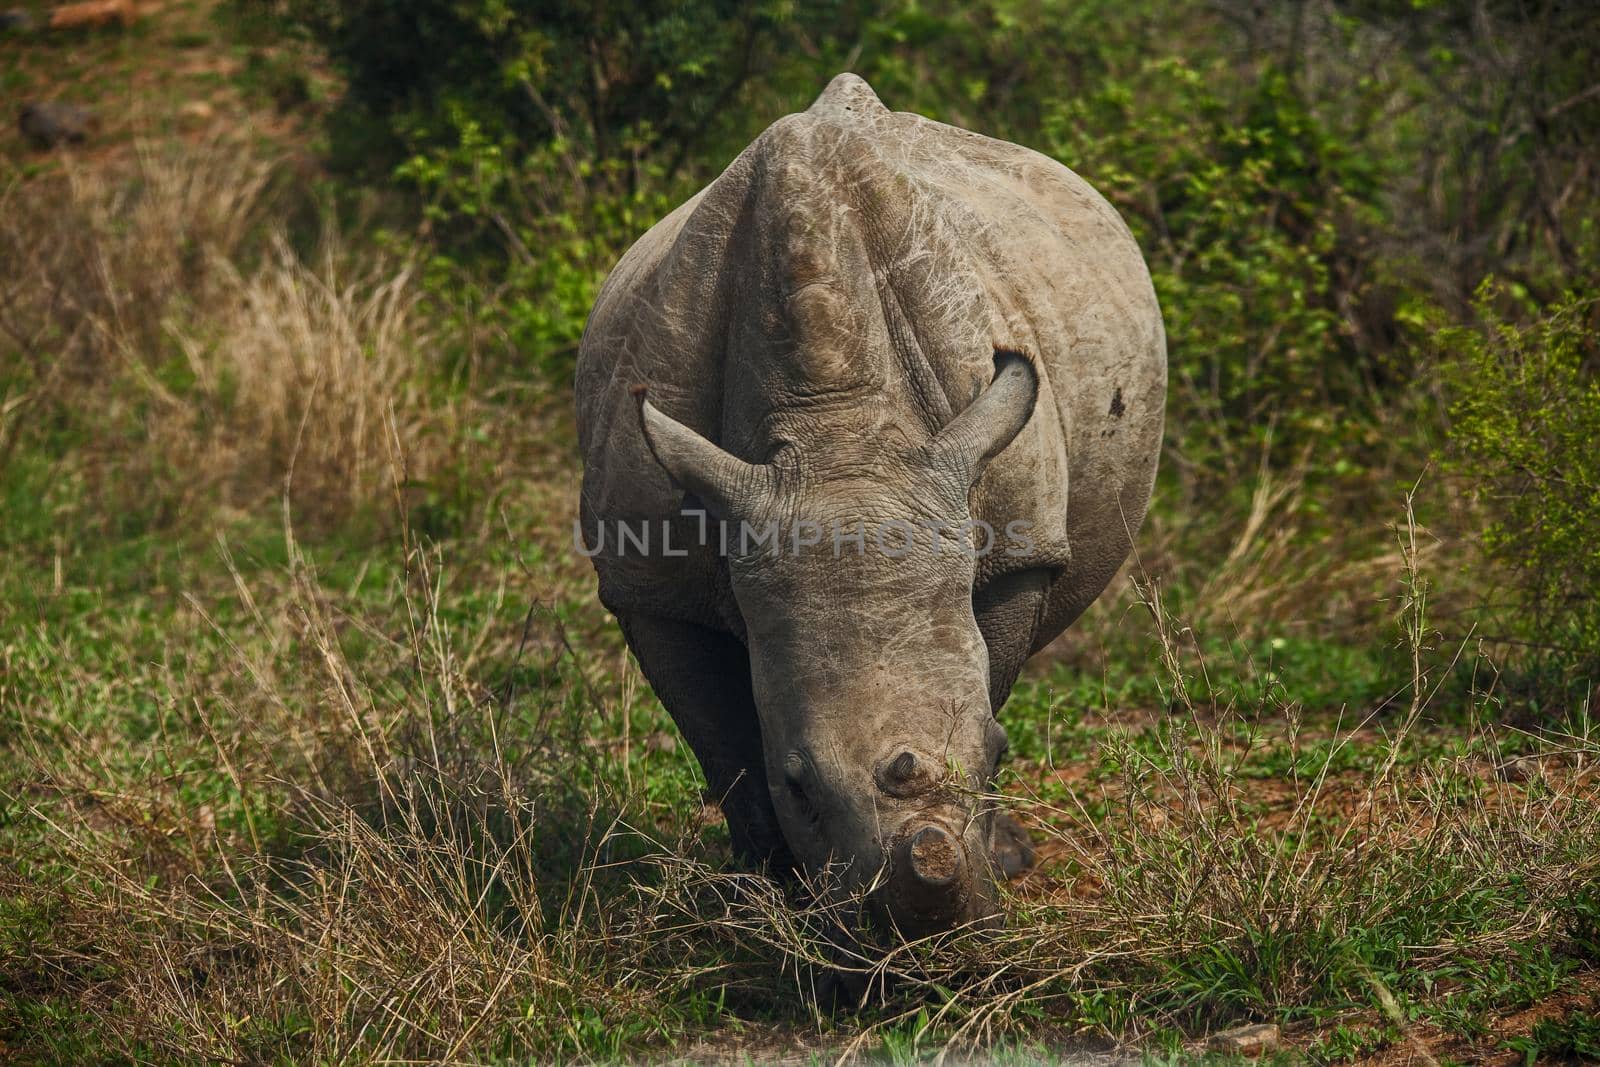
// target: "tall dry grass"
[[316, 373], [161, 317], [1290, 549]]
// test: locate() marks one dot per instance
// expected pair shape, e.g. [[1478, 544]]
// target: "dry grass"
[[161, 312], [321, 371], [324, 856], [374, 886], [1266, 566]]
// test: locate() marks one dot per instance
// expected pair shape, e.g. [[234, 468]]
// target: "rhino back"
[[866, 261]]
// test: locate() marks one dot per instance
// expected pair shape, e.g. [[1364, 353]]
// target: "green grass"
[[171, 700], [1474, 994], [1573, 1039]]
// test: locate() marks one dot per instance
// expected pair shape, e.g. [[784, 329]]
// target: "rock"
[[1521, 770], [46, 124], [1252, 1041], [15, 20], [92, 14]]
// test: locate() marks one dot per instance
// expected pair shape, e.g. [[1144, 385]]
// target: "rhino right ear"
[[732, 489], [982, 431]]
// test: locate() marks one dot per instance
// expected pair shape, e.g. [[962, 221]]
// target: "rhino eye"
[[794, 777], [794, 772]]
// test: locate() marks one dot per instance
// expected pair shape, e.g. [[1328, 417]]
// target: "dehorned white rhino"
[[865, 423]]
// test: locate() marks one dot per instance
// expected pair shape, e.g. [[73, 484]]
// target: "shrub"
[[524, 240], [1239, 203], [602, 81], [1525, 415], [1281, 168]]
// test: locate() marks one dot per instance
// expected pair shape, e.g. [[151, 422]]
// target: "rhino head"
[[869, 669]]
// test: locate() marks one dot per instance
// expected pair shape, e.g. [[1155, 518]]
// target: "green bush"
[[604, 81], [524, 241], [1525, 418], [1240, 201]]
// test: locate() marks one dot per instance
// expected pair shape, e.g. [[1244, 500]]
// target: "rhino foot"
[[1012, 851]]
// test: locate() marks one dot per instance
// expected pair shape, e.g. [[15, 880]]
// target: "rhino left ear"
[[733, 489], [984, 429]]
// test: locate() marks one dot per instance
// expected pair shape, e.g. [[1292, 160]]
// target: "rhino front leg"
[[1008, 610], [703, 679]]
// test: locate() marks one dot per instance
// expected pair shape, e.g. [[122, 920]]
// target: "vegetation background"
[[318, 747]]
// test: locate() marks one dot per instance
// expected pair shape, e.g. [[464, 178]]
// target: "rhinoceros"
[[869, 322]]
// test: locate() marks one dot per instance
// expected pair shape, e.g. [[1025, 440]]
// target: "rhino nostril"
[[905, 774], [935, 856]]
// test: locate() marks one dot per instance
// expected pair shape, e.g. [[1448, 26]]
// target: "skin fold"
[[869, 323]]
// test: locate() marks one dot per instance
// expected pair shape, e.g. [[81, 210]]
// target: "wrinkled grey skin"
[[825, 333]]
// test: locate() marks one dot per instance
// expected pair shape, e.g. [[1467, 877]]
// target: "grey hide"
[[869, 322]]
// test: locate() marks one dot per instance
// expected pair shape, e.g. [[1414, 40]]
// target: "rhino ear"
[[985, 428], [731, 488]]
